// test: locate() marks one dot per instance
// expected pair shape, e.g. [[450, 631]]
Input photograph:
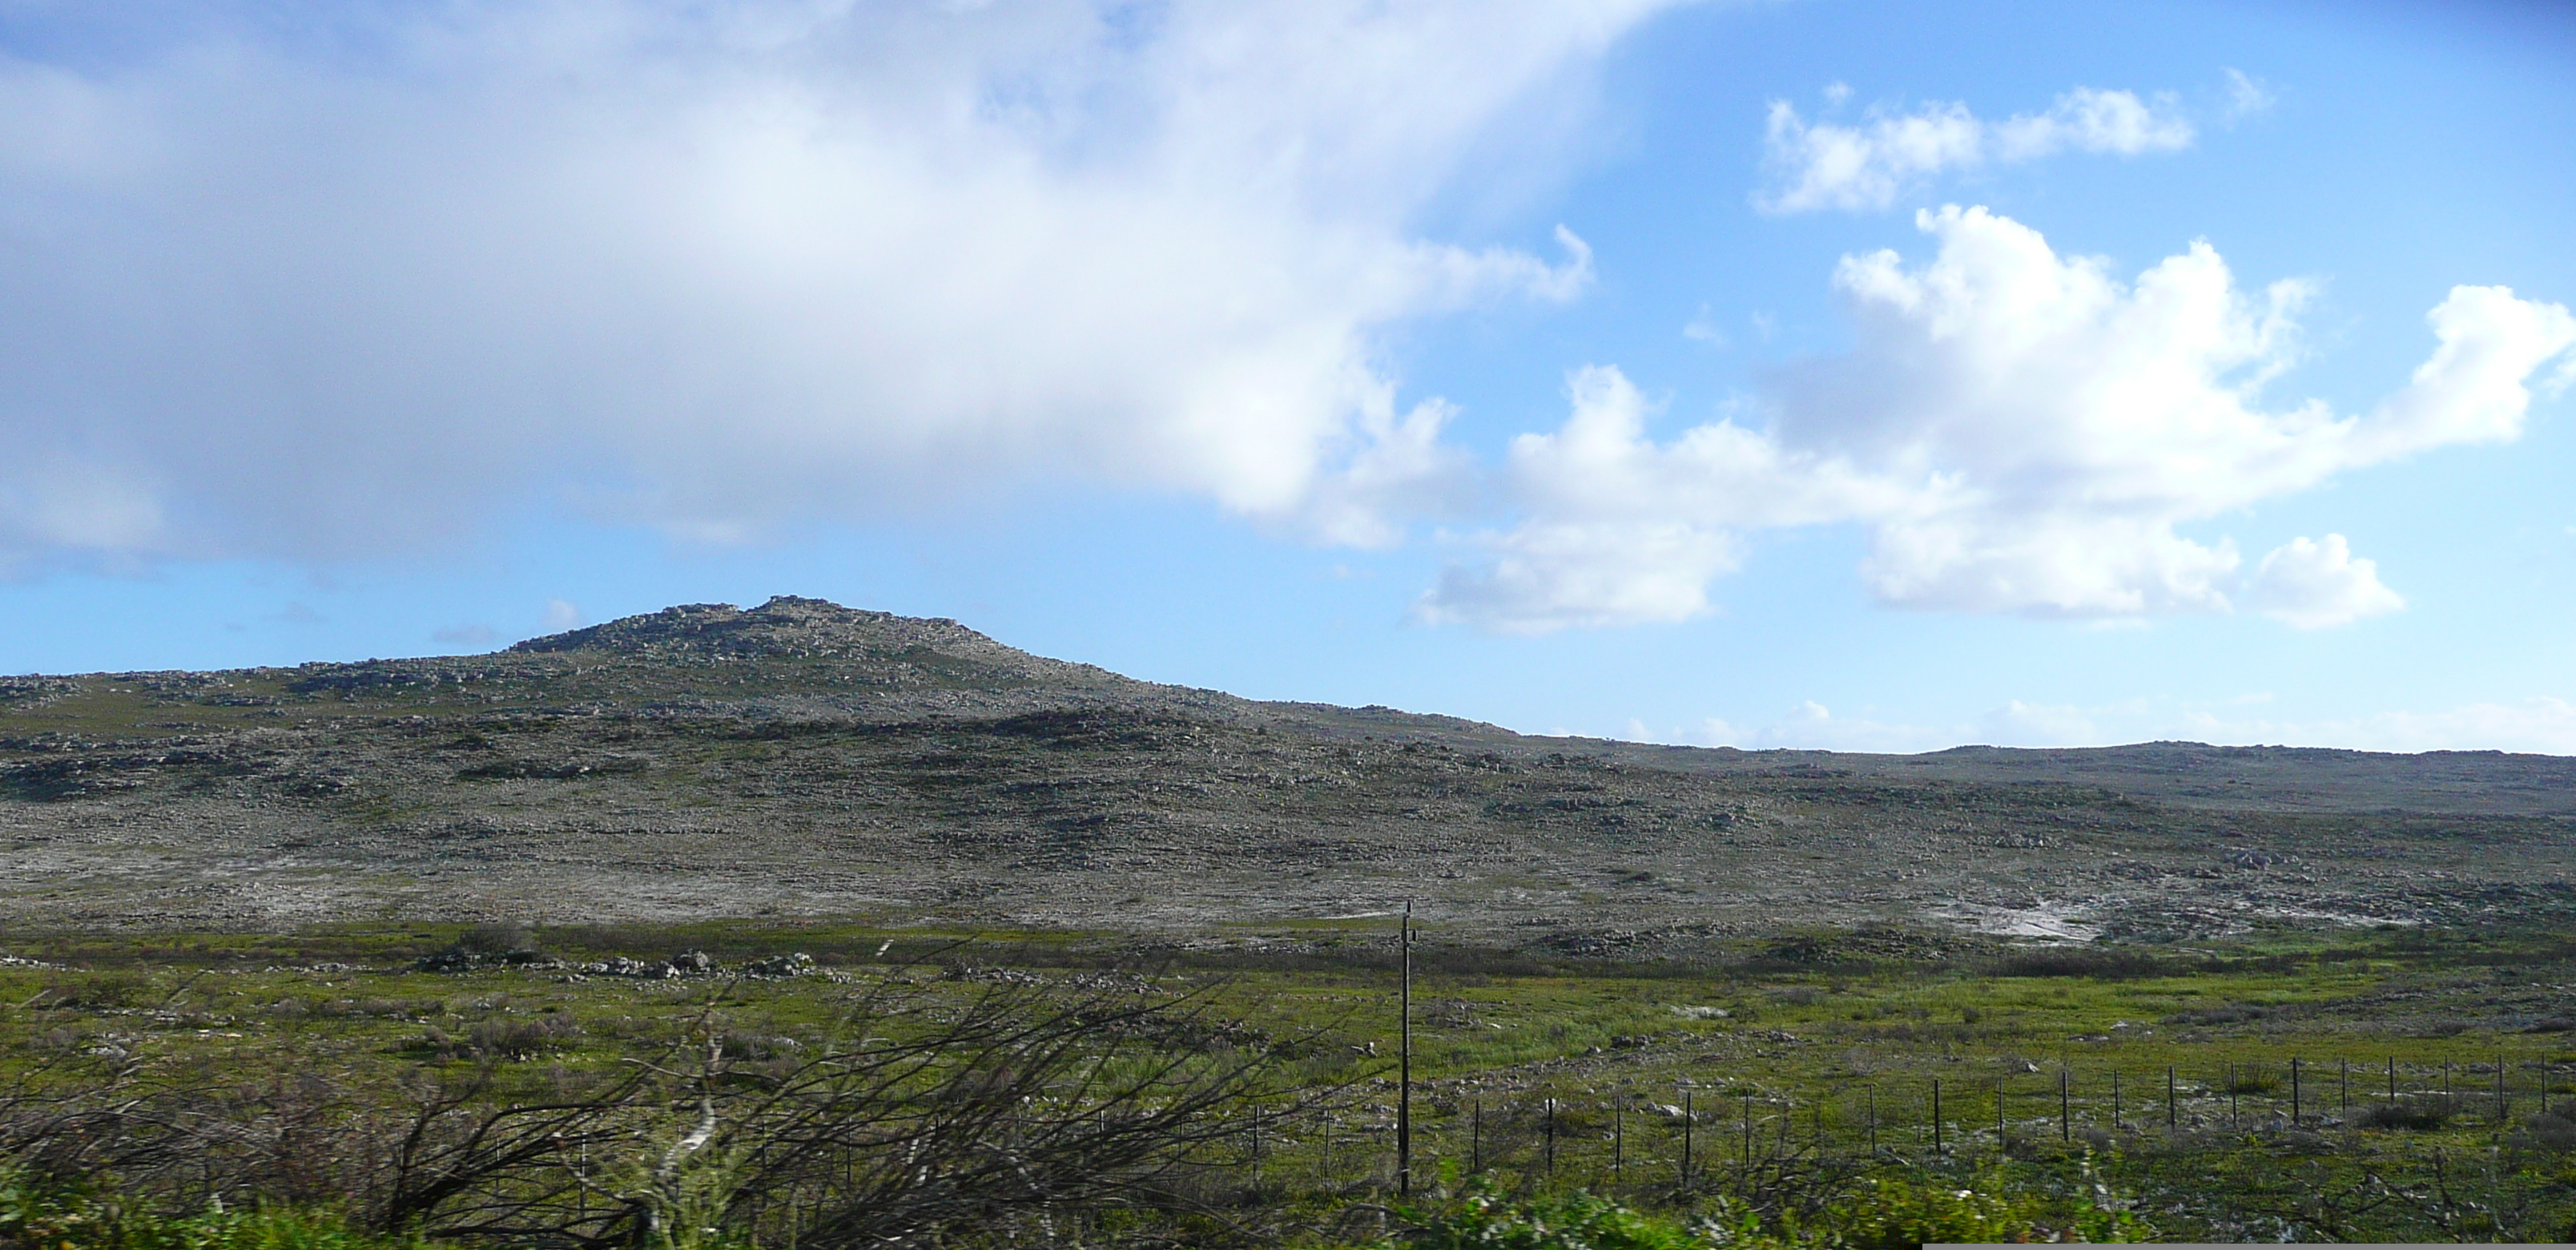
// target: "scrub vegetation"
[[806, 927], [592, 1086]]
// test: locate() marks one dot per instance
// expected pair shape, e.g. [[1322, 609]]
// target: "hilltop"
[[801, 758]]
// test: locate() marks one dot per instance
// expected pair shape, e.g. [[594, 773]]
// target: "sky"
[[1804, 373]]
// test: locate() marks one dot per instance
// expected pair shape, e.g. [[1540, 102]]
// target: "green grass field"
[[2225, 1094]]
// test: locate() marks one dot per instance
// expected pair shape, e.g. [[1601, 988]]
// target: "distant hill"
[[804, 758]]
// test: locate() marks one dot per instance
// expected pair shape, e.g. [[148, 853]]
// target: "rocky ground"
[[804, 759]]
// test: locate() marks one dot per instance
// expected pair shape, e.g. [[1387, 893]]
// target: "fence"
[[1720, 1132]]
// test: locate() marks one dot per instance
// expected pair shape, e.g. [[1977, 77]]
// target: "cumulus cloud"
[[2022, 433], [320, 293], [2313, 584], [1820, 165]]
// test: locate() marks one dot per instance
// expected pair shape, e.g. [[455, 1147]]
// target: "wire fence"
[[1721, 1133]]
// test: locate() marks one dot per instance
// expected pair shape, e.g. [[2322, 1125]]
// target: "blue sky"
[[1874, 376]]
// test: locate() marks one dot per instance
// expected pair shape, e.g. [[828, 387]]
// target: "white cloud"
[[1811, 726], [560, 615], [2543, 726], [717, 268], [2539, 725], [2037, 724], [2312, 585], [1823, 165], [2247, 95], [2022, 433]]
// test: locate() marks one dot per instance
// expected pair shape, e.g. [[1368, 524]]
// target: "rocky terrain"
[[803, 759]]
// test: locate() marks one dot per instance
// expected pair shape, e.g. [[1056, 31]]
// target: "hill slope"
[[803, 758]]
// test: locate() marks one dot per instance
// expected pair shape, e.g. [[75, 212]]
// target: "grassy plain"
[[1808, 1063]]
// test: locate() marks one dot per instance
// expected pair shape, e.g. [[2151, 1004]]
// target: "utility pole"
[[1404, 1062]]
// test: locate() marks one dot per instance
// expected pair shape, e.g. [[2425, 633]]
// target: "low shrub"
[[2419, 1114], [41, 1213], [1483, 1220]]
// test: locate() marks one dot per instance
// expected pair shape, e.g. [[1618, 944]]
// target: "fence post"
[[2294, 1091], [1936, 1117], [1551, 1137], [2115, 1100], [1404, 1060], [1873, 1116], [1686, 1140], [2500, 1098], [1476, 1138], [1618, 1145], [2170, 1120], [2065, 1115]]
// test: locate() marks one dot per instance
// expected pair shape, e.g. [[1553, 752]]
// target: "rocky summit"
[[804, 759]]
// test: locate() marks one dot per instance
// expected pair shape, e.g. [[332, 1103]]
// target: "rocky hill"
[[800, 758]]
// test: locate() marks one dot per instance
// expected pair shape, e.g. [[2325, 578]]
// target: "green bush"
[[1481, 1220], [38, 1213], [1884, 1214], [1900, 1215]]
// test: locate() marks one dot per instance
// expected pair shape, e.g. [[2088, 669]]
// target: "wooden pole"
[[1686, 1140], [2170, 1120], [1936, 1117], [2294, 1092], [1476, 1138], [1404, 1060], [2065, 1114]]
